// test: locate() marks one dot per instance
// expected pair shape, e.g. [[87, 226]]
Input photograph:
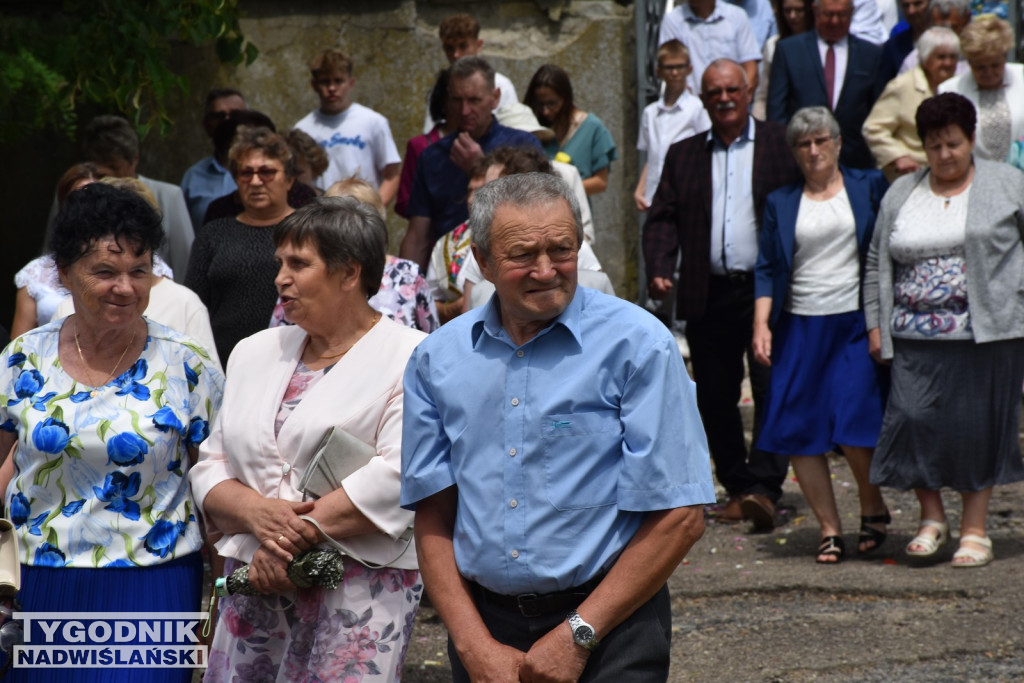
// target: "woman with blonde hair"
[[994, 87]]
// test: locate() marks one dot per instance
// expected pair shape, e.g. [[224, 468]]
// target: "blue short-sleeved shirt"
[[558, 447], [439, 188], [205, 181]]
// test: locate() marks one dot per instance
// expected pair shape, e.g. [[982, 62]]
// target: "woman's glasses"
[[265, 173]]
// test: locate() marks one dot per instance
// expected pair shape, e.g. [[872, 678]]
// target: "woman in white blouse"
[[338, 366], [825, 391], [994, 87]]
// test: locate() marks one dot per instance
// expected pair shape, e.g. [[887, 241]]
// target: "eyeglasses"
[[674, 67], [265, 173]]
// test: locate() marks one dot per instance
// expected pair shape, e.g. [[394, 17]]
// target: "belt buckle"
[[527, 603], [738, 278]]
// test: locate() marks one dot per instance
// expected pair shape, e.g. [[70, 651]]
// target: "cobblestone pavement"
[[755, 607]]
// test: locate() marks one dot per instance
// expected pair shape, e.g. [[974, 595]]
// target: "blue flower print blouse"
[[102, 481]]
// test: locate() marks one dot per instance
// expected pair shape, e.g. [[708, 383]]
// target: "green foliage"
[[112, 54]]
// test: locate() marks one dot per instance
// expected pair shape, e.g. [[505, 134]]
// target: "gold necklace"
[[96, 389], [339, 355]]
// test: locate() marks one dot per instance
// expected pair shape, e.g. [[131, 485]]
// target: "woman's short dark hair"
[[557, 79], [947, 109], [439, 97], [99, 211], [273, 145], [344, 231]]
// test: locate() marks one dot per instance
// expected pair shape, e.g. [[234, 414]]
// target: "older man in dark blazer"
[[828, 67], [708, 209]]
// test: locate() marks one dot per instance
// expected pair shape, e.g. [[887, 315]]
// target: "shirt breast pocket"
[[582, 457]]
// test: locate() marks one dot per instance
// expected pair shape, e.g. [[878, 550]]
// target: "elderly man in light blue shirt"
[[712, 30], [554, 455]]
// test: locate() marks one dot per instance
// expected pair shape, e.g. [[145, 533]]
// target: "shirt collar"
[[489, 323], [839, 43], [692, 18], [746, 136]]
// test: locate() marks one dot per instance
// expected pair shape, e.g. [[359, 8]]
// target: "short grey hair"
[[946, 7], [345, 232], [811, 120], [464, 67], [520, 190], [936, 37], [721, 63]]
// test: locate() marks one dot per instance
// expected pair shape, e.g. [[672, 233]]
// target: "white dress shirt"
[[733, 219]]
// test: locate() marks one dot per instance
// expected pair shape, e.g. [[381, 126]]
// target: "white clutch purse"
[[10, 565], [338, 455]]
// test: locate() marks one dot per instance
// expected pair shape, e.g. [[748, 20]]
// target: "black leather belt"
[[739, 278], [539, 604]]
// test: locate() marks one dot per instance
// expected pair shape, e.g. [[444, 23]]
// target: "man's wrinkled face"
[[532, 261]]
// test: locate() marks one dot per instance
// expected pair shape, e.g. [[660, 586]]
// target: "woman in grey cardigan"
[[944, 301]]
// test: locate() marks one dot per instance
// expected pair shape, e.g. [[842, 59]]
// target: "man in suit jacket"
[[708, 208], [801, 71]]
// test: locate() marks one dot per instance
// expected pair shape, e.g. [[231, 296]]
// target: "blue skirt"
[[174, 586], [825, 390]]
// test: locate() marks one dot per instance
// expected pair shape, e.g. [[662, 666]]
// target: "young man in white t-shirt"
[[677, 115], [460, 37], [357, 139]]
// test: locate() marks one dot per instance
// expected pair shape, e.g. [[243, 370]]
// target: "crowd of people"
[[834, 207]]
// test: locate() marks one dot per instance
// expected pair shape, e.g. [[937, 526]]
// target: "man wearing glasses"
[[708, 209], [209, 178]]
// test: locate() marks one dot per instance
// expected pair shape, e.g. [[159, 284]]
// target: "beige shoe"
[[973, 557], [929, 544]]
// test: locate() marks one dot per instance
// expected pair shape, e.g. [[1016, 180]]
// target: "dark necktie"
[[830, 74]]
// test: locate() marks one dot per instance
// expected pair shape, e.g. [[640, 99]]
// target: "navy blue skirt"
[[174, 586], [825, 390]]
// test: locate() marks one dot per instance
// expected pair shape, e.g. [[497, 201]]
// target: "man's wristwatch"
[[582, 632]]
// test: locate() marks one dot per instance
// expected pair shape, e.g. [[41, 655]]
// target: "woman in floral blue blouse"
[[106, 410]]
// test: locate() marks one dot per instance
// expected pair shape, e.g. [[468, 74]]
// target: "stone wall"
[[397, 55]]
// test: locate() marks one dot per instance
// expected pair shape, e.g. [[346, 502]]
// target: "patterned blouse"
[[930, 278], [100, 481]]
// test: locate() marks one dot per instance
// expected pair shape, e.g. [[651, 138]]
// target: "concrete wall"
[[397, 54]]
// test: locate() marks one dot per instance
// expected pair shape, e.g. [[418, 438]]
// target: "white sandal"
[[974, 557], [929, 544]]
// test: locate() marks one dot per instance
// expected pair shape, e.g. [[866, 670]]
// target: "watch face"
[[583, 633]]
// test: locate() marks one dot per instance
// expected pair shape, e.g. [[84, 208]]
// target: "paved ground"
[[752, 607]]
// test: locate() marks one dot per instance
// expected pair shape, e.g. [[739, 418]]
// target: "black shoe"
[[872, 535]]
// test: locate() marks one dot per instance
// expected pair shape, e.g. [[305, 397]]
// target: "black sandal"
[[871, 535], [831, 546]]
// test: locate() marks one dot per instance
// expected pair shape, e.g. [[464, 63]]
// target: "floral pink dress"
[[361, 629]]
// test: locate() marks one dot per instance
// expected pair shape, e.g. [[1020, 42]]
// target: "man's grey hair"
[[721, 63], [808, 121], [344, 231], [465, 67], [936, 37], [946, 7], [519, 190]]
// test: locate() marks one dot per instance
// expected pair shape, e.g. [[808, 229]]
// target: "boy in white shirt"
[[677, 115], [357, 139], [460, 37]]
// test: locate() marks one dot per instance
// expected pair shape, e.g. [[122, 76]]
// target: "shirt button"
[[514, 554], [515, 401], [513, 503], [286, 468], [512, 452], [519, 353]]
